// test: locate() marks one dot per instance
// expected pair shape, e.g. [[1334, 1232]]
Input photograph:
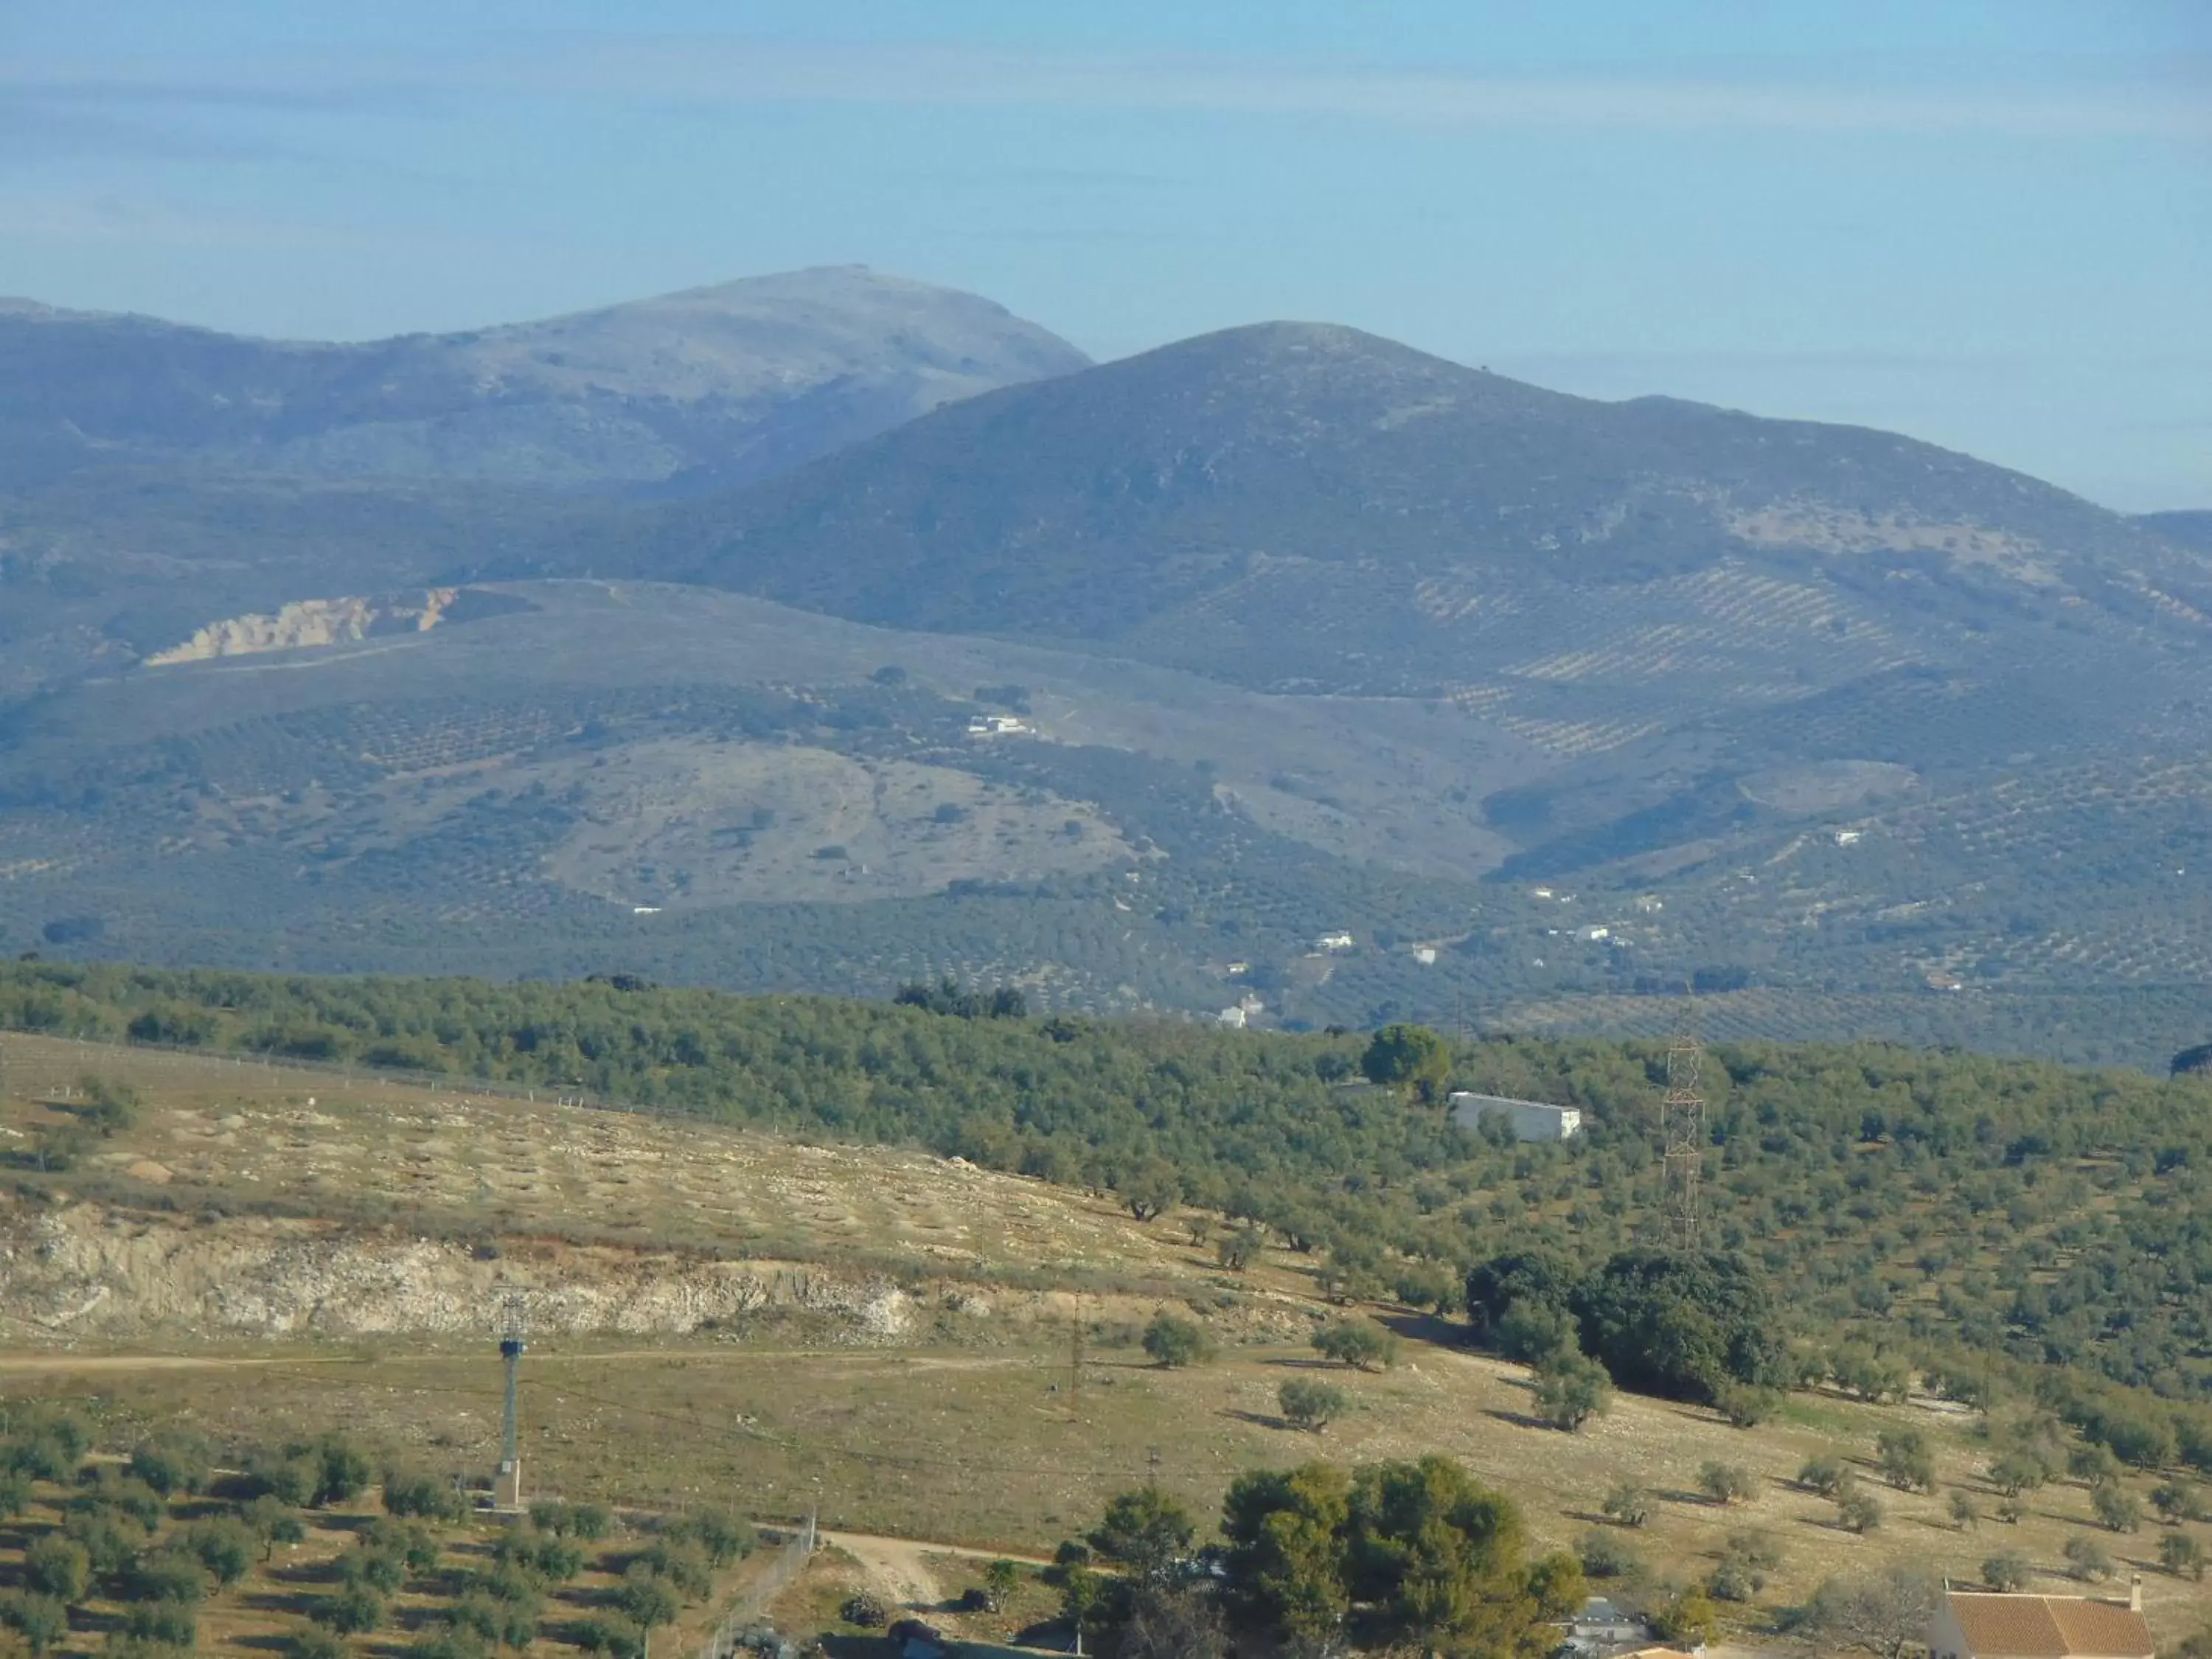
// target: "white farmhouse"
[[1532, 1120]]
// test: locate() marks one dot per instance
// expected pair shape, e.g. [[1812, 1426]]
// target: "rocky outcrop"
[[88, 1271], [309, 622]]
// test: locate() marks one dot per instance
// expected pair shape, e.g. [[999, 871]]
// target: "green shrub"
[[648, 1597], [2181, 1554], [2086, 1557], [165, 1575], [1309, 1405], [408, 1540], [169, 1624], [1747, 1407], [612, 1637], [1826, 1474], [109, 1539], [58, 1567], [1173, 1342], [1605, 1555], [172, 1464], [133, 1501], [501, 1621], [1858, 1511], [354, 1608], [1906, 1461], [1358, 1343], [1628, 1503], [1571, 1389], [41, 1620], [313, 1642], [1725, 1483], [416, 1492], [2116, 1506], [382, 1571]]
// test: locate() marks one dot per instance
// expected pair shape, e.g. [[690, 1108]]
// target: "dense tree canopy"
[[1432, 1558], [1685, 1326]]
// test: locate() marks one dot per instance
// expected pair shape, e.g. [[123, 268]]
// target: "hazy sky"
[[1986, 224]]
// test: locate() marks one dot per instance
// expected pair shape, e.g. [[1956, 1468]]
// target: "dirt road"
[[902, 1570]]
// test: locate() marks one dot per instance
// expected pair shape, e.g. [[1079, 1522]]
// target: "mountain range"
[[730, 383], [828, 630]]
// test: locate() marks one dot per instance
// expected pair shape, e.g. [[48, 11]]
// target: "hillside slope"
[[736, 381], [1243, 467], [265, 1253]]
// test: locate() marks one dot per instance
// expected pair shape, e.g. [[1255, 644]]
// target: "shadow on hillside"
[[1518, 1419], [1427, 1328], [1260, 1419], [295, 1603]]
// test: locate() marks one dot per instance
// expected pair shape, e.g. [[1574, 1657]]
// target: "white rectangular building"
[[1532, 1120]]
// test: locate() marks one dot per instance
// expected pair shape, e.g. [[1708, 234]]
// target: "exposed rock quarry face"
[[308, 622], [88, 1271]]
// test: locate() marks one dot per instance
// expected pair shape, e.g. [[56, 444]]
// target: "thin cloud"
[[717, 71], [720, 71]]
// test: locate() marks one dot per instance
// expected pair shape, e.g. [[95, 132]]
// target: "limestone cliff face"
[[85, 1271], [311, 623]]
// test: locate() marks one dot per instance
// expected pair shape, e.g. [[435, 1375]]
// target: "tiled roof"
[[2100, 1628], [2048, 1627]]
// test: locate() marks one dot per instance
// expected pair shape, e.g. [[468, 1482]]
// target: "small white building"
[[1532, 1120], [1602, 1628], [995, 726], [1334, 944]]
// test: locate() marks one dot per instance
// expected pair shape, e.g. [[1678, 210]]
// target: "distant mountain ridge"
[[734, 381], [1552, 705], [1097, 504]]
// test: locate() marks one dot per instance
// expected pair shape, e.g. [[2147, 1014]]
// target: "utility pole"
[[507, 1494]]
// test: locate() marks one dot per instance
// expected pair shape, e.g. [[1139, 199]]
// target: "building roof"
[[2000, 1627]]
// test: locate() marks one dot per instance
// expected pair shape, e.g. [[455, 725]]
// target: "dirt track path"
[[87, 1363], [900, 1568], [75, 1364]]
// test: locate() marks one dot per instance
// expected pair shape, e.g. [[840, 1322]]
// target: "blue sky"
[[1985, 224]]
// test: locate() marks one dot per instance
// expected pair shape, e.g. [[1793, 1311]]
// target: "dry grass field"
[[957, 1418]]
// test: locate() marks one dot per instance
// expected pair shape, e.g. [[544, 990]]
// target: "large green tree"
[[1682, 1326], [1409, 1057], [1440, 1559], [1288, 1566]]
